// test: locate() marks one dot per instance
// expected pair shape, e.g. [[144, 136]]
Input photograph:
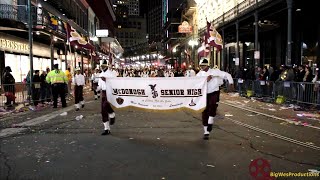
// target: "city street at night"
[[159, 90], [155, 145]]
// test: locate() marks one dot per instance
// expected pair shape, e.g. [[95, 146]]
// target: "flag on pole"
[[204, 49], [76, 39], [213, 38]]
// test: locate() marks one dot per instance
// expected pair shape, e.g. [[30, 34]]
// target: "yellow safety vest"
[[56, 76]]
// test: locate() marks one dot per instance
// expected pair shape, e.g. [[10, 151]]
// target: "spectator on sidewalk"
[[49, 89], [9, 86], [36, 88], [27, 82], [43, 87], [69, 77], [300, 74]]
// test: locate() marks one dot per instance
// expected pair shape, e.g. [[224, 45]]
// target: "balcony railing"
[[40, 16], [240, 9], [14, 12]]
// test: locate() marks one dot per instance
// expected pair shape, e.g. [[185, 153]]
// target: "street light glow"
[[193, 43], [174, 50]]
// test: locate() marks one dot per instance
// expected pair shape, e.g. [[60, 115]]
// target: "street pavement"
[[158, 145]]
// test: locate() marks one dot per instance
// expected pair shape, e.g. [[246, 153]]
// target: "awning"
[[114, 45]]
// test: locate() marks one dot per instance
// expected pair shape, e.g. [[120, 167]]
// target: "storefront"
[[14, 52]]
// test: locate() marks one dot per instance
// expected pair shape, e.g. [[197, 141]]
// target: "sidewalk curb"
[[21, 127]]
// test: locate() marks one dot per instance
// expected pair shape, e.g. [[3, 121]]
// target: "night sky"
[[144, 5]]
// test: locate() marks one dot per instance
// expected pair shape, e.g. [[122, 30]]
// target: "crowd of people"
[[51, 84], [301, 73], [42, 90]]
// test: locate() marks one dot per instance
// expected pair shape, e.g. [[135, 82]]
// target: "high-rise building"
[[131, 30], [132, 5], [157, 10]]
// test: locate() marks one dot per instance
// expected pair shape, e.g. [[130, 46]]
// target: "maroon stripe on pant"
[[105, 107], [78, 94], [211, 108]]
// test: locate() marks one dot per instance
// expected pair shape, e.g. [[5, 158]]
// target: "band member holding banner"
[[106, 109], [79, 82], [95, 80], [215, 80]]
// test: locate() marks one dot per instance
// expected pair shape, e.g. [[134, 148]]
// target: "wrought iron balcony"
[[17, 13], [241, 9], [41, 18]]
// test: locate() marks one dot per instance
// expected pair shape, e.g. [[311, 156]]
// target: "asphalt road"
[[145, 145]]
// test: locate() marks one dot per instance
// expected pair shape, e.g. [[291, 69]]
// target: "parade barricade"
[[13, 94], [280, 91]]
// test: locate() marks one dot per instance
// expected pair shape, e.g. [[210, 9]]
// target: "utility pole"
[[30, 45], [289, 45]]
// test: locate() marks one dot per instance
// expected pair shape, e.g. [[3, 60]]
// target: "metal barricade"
[[286, 91], [307, 93], [13, 94], [20, 93]]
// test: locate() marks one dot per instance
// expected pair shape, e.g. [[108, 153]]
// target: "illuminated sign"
[[13, 45], [102, 33], [185, 28]]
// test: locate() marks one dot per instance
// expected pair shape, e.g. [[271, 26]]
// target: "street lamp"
[[193, 43], [174, 50], [173, 61]]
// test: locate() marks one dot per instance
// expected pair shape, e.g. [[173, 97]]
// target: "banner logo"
[[120, 100], [153, 90], [192, 103]]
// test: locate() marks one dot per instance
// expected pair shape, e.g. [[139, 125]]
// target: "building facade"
[[50, 44], [156, 19], [261, 32], [132, 6], [131, 31]]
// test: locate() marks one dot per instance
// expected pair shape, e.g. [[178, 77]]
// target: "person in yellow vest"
[[69, 77], [58, 81]]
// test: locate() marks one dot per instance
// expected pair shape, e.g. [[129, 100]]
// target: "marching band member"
[[95, 79], [145, 73], [215, 79], [79, 82], [171, 73], [115, 72], [190, 72], [106, 109], [167, 73]]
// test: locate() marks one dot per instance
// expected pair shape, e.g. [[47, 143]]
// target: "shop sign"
[[13, 45], [256, 54], [185, 28], [102, 32]]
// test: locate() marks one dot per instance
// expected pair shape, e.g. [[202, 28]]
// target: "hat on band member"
[[105, 63], [204, 62]]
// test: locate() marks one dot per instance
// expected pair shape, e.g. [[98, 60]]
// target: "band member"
[[106, 109], [215, 80], [79, 82], [95, 80], [58, 81], [190, 72]]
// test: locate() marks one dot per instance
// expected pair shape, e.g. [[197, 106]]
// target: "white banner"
[[158, 93]]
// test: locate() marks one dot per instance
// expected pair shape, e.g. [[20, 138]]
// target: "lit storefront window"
[[20, 65]]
